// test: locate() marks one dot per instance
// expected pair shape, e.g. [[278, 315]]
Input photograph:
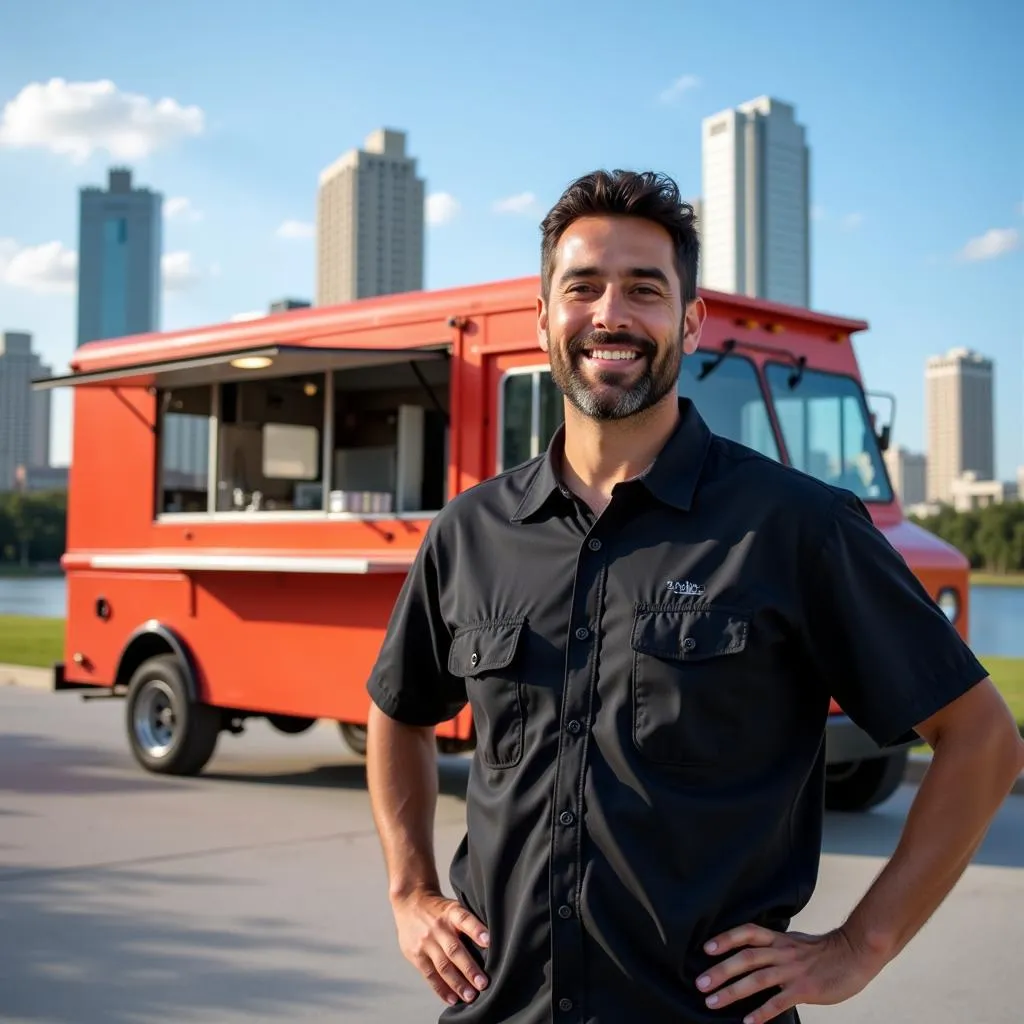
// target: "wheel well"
[[150, 643]]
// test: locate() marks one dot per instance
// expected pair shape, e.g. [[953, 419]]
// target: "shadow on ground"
[[39, 765], [75, 948]]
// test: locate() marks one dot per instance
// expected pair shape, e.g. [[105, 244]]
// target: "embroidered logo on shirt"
[[685, 587]]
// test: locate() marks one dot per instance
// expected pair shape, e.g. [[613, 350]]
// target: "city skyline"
[[889, 243]]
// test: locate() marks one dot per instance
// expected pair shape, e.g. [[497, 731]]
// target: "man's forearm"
[[401, 771], [967, 781]]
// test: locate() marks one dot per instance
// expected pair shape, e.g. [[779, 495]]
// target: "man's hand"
[[809, 969], [429, 927]]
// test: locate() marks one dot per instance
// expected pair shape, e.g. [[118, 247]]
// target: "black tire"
[[167, 732], [354, 737], [861, 785], [290, 724]]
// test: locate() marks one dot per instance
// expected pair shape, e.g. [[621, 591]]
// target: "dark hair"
[[654, 197]]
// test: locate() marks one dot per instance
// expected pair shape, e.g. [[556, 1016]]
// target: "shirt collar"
[[672, 477]]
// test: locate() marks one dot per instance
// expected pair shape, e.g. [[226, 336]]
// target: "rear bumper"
[[847, 741], [61, 682]]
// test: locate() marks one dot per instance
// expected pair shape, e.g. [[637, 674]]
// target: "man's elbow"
[[980, 726]]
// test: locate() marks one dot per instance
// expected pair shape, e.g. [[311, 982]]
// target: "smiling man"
[[648, 622]]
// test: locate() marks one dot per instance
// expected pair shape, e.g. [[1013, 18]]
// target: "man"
[[648, 622]]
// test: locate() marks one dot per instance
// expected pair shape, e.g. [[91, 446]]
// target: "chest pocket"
[[487, 657], [689, 676]]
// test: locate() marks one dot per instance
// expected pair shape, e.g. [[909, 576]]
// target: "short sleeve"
[[876, 638], [410, 681]]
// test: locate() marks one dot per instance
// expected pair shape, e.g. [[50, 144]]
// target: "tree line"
[[991, 538], [33, 530], [33, 527]]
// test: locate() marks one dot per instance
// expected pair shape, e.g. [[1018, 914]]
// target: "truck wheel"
[[290, 724], [861, 785], [354, 737], [168, 733]]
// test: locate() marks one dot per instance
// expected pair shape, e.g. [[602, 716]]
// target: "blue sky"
[[913, 114]]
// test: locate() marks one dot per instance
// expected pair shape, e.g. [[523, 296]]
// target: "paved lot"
[[256, 893]]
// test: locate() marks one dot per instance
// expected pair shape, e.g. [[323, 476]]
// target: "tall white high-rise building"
[[960, 420], [24, 414], [755, 202], [369, 223]]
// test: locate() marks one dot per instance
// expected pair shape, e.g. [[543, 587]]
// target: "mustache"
[[606, 339]]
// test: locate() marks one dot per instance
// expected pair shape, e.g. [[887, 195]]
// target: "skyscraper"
[[960, 413], [24, 414], [756, 203], [908, 472], [120, 240], [369, 222]]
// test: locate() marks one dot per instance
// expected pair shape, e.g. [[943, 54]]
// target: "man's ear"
[[542, 323], [693, 324]]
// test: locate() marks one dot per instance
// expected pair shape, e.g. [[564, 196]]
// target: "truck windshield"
[[729, 399], [827, 429]]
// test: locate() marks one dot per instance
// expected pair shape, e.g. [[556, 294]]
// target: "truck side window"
[[184, 449], [532, 410]]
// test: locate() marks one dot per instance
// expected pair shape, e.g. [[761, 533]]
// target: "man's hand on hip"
[[809, 969], [429, 934]]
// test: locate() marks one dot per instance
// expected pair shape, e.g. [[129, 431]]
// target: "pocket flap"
[[689, 635], [484, 647]]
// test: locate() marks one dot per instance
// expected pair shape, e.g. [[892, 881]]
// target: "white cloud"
[[296, 229], [818, 212], [441, 208], [852, 221], [49, 268], [522, 203], [78, 118], [994, 243], [679, 88], [180, 207], [177, 271], [52, 268]]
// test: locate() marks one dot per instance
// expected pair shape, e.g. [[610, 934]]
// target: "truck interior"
[[368, 438]]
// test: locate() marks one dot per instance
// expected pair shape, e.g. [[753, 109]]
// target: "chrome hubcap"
[[154, 719]]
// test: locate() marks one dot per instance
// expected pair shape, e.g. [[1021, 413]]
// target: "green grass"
[[30, 641], [1008, 675]]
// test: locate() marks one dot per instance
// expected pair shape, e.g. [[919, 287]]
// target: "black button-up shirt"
[[650, 690]]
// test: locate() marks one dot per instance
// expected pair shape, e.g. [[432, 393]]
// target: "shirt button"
[[565, 1005], [474, 658], [567, 817], [574, 727], [594, 544], [689, 643], [582, 633], [565, 912]]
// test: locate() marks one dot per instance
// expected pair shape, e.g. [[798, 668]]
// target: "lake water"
[[997, 613]]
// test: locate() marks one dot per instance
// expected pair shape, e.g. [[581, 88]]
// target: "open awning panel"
[[239, 365]]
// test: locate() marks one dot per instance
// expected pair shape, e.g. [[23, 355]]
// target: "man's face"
[[614, 325]]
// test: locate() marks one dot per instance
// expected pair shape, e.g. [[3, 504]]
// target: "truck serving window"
[[827, 429], [531, 411], [728, 395], [366, 438]]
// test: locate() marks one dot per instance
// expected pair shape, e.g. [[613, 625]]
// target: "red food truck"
[[245, 499]]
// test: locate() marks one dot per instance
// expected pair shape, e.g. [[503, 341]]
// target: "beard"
[[608, 394]]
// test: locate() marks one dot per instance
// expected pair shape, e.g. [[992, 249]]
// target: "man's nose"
[[611, 311]]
